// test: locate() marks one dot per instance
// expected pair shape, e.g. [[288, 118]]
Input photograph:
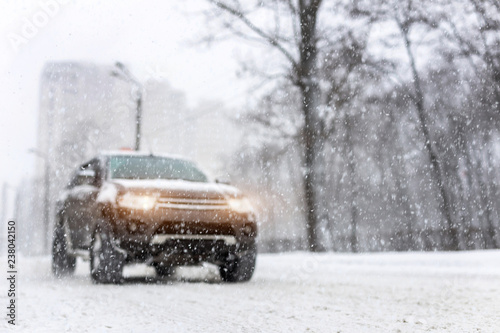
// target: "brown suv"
[[129, 207]]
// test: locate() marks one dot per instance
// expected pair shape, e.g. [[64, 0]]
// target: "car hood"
[[168, 188]]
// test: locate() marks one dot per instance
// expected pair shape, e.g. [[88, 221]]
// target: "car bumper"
[[182, 237]]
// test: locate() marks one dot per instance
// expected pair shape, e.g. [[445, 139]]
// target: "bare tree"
[[298, 45], [408, 15], [479, 41]]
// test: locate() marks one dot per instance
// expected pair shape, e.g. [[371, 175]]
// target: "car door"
[[82, 211]]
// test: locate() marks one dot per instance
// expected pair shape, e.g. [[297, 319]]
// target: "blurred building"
[[205, 132]]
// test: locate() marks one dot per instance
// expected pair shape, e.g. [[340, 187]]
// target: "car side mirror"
[[86, 177]]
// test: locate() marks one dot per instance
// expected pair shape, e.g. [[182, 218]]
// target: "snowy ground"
[[295, 292]]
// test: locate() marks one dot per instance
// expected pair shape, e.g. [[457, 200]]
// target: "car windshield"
[[154, 167]]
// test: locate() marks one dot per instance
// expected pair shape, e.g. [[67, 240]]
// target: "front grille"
[[192, 204], [195, 228]]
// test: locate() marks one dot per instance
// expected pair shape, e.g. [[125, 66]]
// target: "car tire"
[[106, 262], [163, 270], [62, 262], [241, 268]]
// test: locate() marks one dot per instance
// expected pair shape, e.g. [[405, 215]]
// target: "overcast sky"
[[153, 38]]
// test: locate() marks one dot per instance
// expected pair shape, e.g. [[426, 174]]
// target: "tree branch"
[[271, 40]]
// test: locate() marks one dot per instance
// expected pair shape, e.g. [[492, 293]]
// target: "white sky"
[[150, 37]]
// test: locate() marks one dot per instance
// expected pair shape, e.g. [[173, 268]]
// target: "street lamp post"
[[46, 200], [123, 73]]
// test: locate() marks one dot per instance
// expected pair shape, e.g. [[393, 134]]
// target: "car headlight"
[[242, 205], [136, 201]]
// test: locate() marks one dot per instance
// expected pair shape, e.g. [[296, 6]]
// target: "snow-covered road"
[[293, 292]]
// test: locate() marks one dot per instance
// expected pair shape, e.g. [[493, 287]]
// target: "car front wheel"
[[241, 268], [164, 270], [106, 262]]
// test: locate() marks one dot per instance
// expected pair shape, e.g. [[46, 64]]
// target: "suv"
[[121, 208]]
